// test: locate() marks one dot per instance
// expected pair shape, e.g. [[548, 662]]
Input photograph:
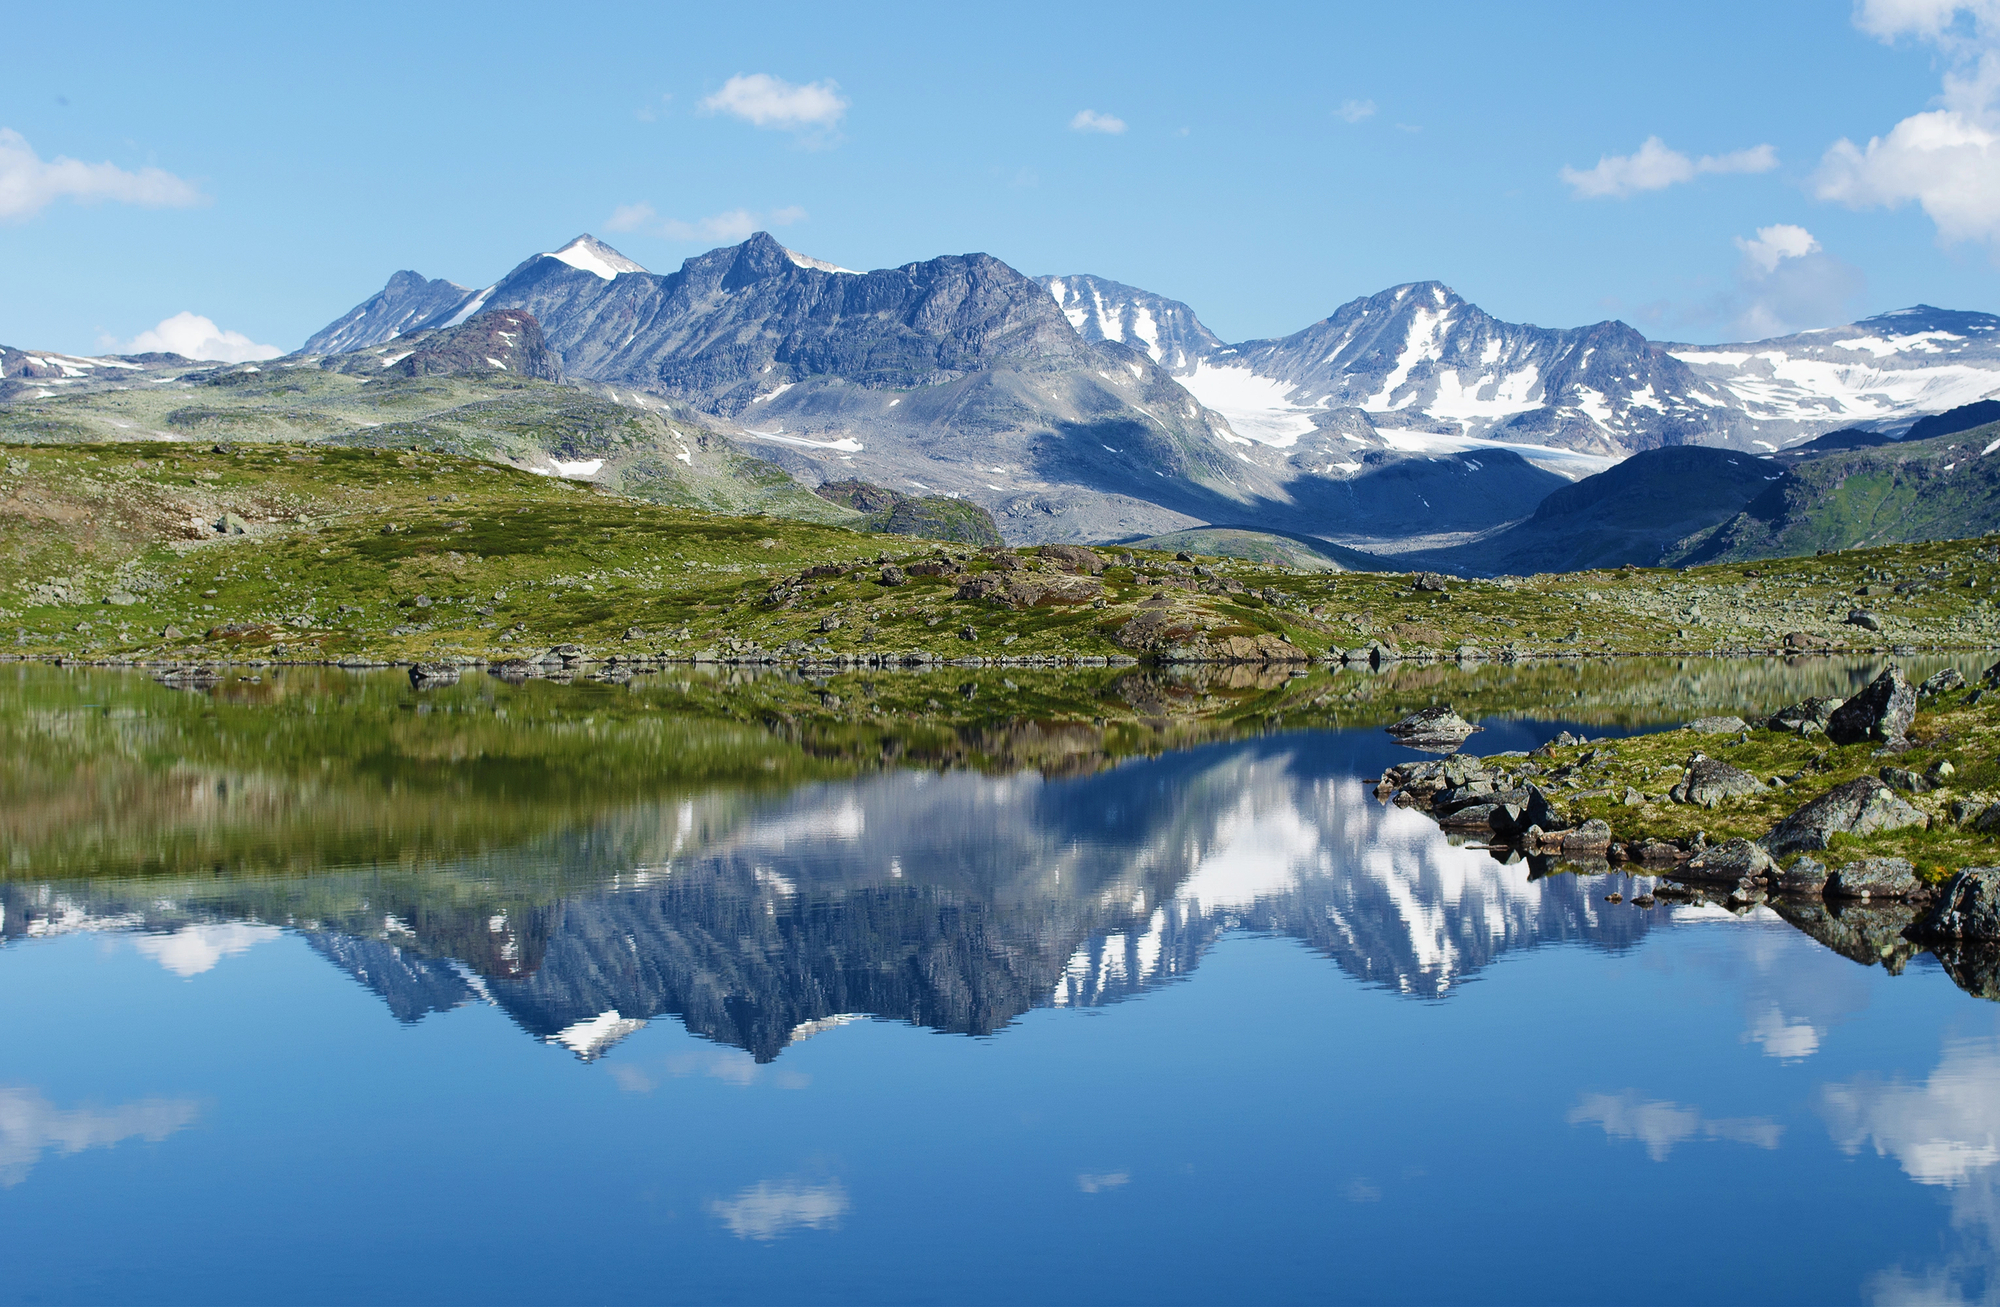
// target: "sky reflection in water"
[[1239, 1031]]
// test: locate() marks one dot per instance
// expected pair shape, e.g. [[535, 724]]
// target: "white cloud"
[[765, 1211], [1354, 111], [630, 217], [29, 183], [1662, 1125], [1946, 159], [766, 101], [1089, 120], [1655, 166], [1097, 1183], [1776, 244], [197, 337], [30, 1125]]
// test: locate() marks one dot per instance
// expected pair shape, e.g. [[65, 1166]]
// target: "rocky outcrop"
[[1856, 808], [1733, 862], [507, 340], [1882, 712], [1435, 728], [1967, 910], [1028, 590]]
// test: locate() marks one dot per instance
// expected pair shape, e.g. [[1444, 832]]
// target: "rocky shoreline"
[[1823, 850]]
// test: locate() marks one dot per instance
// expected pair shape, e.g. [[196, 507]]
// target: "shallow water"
[[544, 992]]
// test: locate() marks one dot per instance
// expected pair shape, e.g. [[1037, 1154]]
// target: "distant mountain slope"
[[1420, 358], [406, 300], [1631, 513], [1886, 370], [1940, 489], [1167, 331]]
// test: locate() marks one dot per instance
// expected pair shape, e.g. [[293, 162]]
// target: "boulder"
[[1804, 876], [1074, 558], [1432, 728], [893, 575], [1941, 683], [1717, 726], [1875, 878], [1968, 909], [1865, 620], [1806, 716], [1730, 863], [428, 675], [1428, 581], [1882, 712], [1594, 836], [1709, 781], [1654, 851], [1856, 808], [230, 525]]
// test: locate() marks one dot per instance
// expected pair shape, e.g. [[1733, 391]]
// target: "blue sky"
[[1265, 163]]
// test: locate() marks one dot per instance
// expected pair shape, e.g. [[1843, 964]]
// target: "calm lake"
[[317, 988]]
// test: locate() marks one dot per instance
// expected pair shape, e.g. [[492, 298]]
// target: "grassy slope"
[[80, 525], [663, 454], [1912, 491]]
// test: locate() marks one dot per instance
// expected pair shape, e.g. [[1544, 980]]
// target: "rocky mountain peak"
[[592, 255]]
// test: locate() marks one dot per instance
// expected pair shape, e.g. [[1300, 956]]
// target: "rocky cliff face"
[[395, 310]]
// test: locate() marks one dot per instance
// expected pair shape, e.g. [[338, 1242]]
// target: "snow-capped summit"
[[594, 256], [817, 265]]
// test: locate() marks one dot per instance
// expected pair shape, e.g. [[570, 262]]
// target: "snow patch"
[[1257, 407]]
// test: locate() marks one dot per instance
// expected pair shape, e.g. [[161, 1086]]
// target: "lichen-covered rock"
[[1074, 558], [1594, 836], [1806, 716], [1882, 712], [1710, 781], [1434, 727], [1856, 808], [1804, 876], [1942, 683], [1731, 862], [1968, 909], [1875, 878], [1717, 725]]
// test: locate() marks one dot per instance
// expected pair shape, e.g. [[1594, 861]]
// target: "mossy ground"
[[406, 554]]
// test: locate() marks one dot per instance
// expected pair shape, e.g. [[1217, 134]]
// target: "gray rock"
[[1737, 860], [1709, 781], [1875, 878], [1805, 876], [1717, 726], [1942, 683], [1806, 716], [894, 575], [1432, 728], [1866, 621], [1902, 778], [230, 525], [1856, 808], [1969, 908], [427, 675], [1882, 712], [1594, 836]]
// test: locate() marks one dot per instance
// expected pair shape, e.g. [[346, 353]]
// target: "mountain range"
[[1076, 407], [1408, 422]]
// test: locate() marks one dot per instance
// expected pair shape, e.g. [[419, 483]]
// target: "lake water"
[[314, 988]]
